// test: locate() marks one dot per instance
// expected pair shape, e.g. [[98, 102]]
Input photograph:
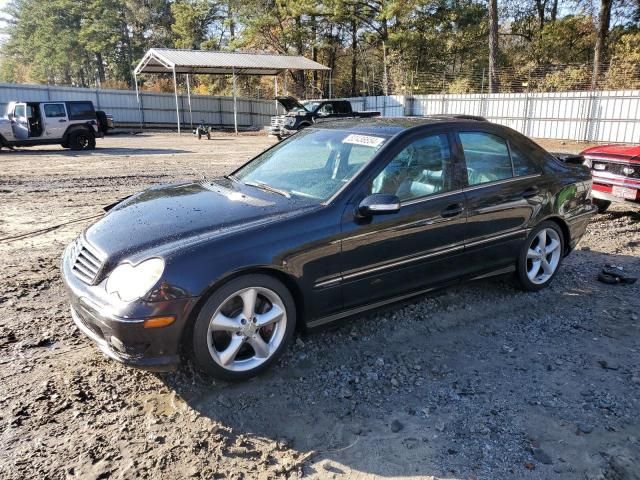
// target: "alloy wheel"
[[247, 329], [543, 256]]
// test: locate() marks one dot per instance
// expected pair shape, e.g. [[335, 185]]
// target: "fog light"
[[159, 322], [117, 344]]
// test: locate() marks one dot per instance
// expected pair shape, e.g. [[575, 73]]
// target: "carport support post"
[[135, 80], [175, 90], [235, 104], [275, 89], [189, 97]]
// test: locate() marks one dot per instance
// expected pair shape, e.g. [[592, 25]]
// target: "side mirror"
[[378, 204]]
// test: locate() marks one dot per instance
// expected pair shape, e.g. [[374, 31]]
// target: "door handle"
[[530, 192], [452, 210], [62, 120]]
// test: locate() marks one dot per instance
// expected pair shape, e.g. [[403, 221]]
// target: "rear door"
[[56, 120], [418, 247], [20, 122], [502, 194]]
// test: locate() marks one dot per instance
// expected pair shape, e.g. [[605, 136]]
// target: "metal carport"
[[190, 62]]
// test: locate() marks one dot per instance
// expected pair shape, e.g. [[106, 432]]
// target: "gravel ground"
[[480, 381]]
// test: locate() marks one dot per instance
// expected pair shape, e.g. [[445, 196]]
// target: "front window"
[[423, 168], [313, 163]]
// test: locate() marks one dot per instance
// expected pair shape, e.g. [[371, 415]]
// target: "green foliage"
[[372, 47]]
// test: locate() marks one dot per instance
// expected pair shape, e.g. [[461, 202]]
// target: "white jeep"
[[73, 125]]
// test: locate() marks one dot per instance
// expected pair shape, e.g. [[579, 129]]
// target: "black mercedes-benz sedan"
[[342, 217]]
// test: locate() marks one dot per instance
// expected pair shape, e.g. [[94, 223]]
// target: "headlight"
[[132, 282]]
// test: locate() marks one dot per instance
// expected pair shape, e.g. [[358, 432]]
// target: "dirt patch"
[[478, 381]]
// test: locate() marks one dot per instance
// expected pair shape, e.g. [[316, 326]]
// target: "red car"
[[616, 174]]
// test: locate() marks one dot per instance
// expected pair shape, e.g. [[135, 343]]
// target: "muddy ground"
[[481, 381]]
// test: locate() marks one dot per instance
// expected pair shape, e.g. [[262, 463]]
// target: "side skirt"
[[372, 306]]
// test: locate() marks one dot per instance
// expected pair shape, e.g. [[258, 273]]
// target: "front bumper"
[[119, 332], [127, 341], [280, 132], [604, 191]]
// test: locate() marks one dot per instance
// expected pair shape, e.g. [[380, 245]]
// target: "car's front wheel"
[[243, 327], [540, 256]]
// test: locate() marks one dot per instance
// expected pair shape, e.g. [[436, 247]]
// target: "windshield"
[[311, 106], [312, 163]]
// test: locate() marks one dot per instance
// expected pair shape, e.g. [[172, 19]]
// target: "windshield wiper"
[[268, 188]]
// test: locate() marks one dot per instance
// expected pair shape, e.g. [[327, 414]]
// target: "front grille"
[[86, 262], [277, 121], [628, 170]]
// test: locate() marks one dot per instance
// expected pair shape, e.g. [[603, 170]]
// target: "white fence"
[[600, 116], [158, 109]]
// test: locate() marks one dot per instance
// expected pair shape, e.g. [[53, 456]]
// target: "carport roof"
[[165, 60]]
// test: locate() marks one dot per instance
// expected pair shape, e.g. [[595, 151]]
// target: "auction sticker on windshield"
[[366, 140]]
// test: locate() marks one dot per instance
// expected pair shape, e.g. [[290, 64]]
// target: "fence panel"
[[602, 116]]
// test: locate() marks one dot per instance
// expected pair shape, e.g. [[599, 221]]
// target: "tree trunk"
[[540, 8], [493, 46], [603, 30], [100, 65], [554, 10], [354, 56], [232, 24]]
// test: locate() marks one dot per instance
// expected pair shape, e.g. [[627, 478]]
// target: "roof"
[[390, 125], [163, 60]]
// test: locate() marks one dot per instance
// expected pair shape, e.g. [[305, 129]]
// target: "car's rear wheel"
[[82, 140], [601, 205], [540, 256], [243, 327]]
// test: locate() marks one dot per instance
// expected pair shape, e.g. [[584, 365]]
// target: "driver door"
[[421, 245], [20, 122]]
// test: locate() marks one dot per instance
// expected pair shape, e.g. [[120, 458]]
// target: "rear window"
[[486, 156], [54, 110], [81, 111]]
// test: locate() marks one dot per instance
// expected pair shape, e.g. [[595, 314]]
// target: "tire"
[[199, 134], [531, 271], [601, 205], [82, 140], [225, 349]]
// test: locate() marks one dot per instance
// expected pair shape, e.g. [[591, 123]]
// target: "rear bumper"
[[578, 226]]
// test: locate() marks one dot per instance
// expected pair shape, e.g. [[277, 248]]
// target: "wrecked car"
[[616, 174], [300, 115]]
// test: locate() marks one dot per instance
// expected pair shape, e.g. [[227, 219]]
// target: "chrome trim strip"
[[364, 308], [500, 182], [402, 262], [328, 283], [498, 237], [431, 197], [361, 273], [620, 181], [613, 160]]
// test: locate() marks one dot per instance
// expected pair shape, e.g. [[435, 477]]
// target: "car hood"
[[171, 215], [290, 103], [622, 152]]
